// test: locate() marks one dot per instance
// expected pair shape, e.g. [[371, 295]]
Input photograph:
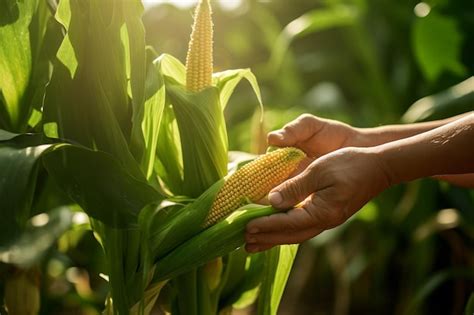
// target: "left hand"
[[331, 189]]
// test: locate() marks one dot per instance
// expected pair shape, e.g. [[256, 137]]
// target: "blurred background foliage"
[[364, 62]]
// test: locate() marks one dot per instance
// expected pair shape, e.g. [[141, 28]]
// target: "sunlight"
[[40, 220], [225, 4], [422, 9]]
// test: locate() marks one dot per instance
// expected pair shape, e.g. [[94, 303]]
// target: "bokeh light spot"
[[422, 9]]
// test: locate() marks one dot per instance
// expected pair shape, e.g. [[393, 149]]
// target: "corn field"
[[133, 154]]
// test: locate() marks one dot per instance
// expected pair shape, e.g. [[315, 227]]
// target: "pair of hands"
[[339, 177]]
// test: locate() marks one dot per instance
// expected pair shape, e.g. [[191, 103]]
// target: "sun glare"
[[225, 4]]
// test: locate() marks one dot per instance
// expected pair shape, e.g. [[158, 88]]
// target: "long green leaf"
[[437, 45], [100, 185], [311, 22], [203, 137], [147, 120], [227, 81], [23, 64], [216, 241], [87, 99], [37, 239], [169, 163], [279, 261], [455, 100], [19, 157]]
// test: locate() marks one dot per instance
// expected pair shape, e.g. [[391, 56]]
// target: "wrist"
[[378, 156], [384, 161], [360, 138]]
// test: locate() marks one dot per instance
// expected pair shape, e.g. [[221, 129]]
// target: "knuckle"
[[306, 118], [290, 129], [293, 190]]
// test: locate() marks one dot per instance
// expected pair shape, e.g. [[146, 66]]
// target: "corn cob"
[[253, 181], [216, 241], [199, 58]]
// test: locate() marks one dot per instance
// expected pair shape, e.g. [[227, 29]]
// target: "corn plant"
[[139, 143]]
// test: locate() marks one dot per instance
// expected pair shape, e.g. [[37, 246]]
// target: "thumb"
[[281, 138], [292, 191]]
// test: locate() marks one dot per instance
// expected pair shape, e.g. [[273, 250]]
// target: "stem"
[[188, 296]]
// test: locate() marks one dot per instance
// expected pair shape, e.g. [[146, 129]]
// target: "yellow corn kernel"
[[254, 181], [199, 59]]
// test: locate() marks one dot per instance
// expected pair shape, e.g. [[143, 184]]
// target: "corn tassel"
[[253, 181], [199, 59]]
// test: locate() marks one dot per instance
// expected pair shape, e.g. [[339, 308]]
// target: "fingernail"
[[251, 240], [253, 231], [275, 198]]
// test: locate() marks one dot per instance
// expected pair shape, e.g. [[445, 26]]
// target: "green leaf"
[[87, 97], [453, 101], [147, 120], [172, 68], [169, 163], [234, 271], [216, 241], [173, 224], [135, 50], [437, 45], [433, 283], [203, 137], [100, 185], [226, 82], [19, 158], [5, 135], [469, 310], [23, 60], [311, 22], [248, 289], [41, 233], [279, 261], [15, 59]]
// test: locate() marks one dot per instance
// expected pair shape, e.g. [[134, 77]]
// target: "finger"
[[302, 166], [263, 201], [299, 130], [253, 248], [264, 240], [325, 215], [293, 190], [280, 139], [293, 220]]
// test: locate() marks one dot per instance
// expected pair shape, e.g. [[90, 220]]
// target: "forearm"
[[446, 150], [462, 180], [368, 137]]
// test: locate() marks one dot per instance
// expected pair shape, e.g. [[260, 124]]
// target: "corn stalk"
[[139, 142]]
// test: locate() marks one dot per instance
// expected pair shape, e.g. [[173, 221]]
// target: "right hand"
[[331, 190], [315, 136]]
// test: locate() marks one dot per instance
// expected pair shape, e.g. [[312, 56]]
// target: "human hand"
[[315, 136], [331, 189]]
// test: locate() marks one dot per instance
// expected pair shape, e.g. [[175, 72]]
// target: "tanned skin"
[[347, 167]]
